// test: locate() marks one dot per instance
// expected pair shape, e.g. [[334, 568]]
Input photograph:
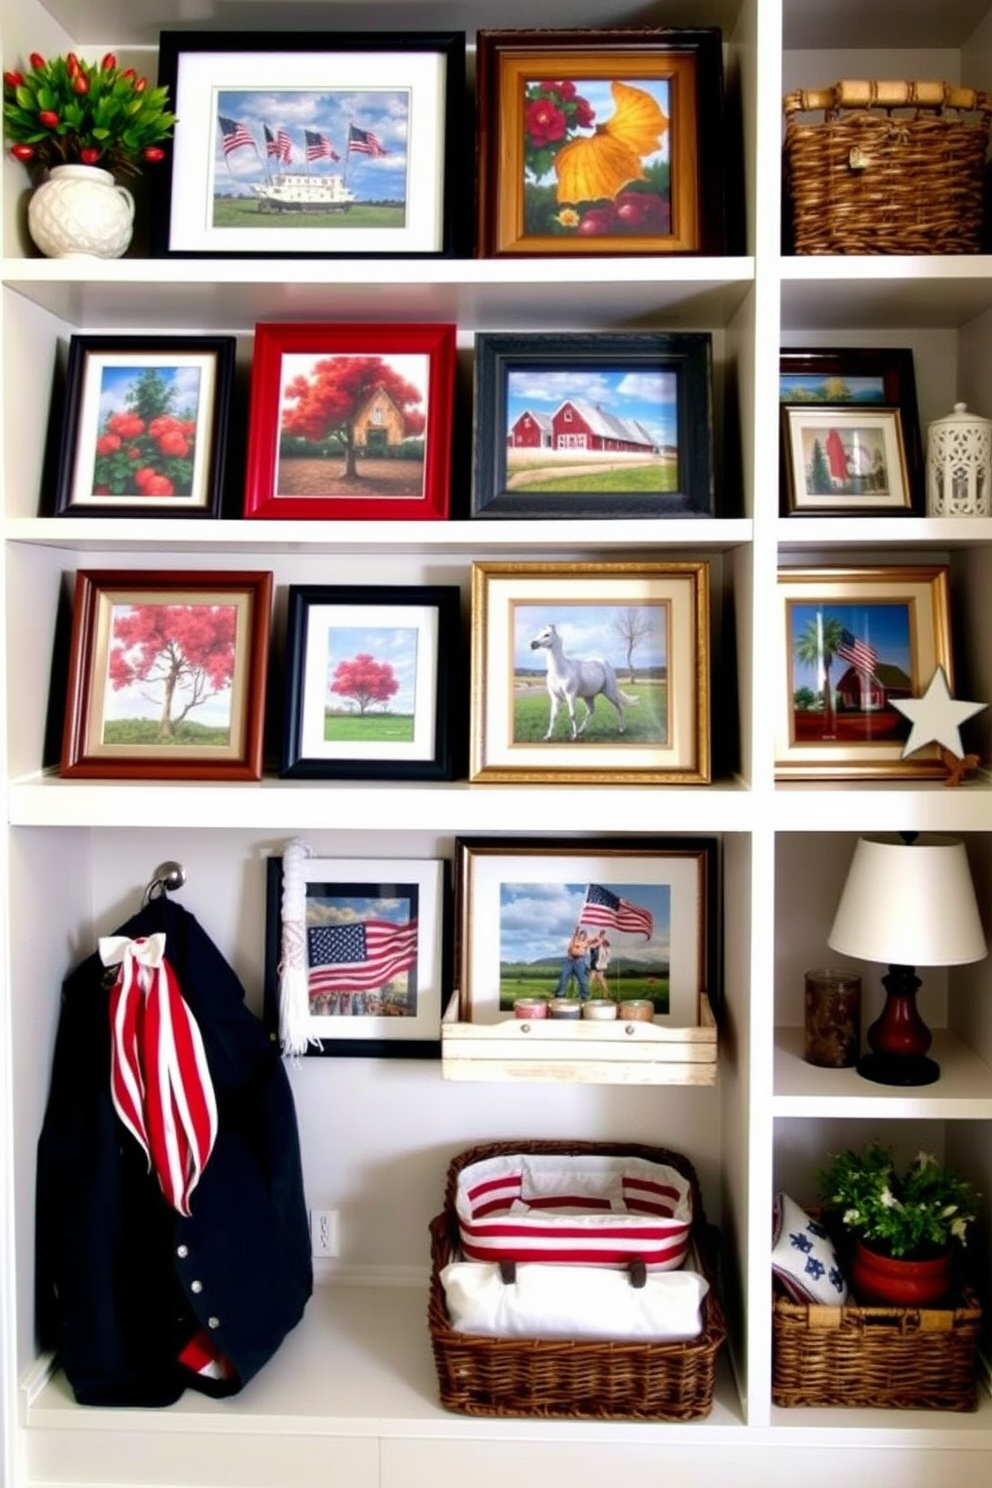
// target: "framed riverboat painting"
[[591, 672], [350, 422], [317, 144], [853, 643], [599, 142]]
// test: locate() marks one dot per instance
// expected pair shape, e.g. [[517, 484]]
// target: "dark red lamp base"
[[899, 1038]]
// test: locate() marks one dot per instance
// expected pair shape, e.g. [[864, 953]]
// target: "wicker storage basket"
[[900, 1358], [573, 1378], [890, 168]]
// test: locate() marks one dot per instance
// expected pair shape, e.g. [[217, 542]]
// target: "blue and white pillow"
[[803, 1257]]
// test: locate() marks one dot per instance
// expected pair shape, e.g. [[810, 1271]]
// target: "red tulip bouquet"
[[69, 112]]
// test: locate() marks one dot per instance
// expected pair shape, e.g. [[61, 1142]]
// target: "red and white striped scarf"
[[159, 1078]]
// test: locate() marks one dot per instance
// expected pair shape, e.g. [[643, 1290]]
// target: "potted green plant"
[[75, 126], [907, 1227]]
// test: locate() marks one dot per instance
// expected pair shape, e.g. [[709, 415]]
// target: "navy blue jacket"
[[124, 1281]]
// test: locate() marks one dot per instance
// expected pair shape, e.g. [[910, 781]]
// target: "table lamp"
[[907, 902]]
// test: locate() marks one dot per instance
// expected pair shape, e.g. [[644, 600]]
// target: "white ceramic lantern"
[[959, 465]]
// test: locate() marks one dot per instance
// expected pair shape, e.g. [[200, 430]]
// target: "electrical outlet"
[[324, 1239]]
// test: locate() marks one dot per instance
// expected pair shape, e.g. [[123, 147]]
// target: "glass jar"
[[832, 1018]]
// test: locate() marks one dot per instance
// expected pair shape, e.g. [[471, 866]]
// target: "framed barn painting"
[[369, 674], [845, 461], [601, 142], [167, 675], [852, 643], [311, 144], [144, 428], [605, 425], [370, 938], [856, 379], [591, 672], [521, 905], [350, 422]]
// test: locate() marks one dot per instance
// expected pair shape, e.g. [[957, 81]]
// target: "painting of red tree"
[[353, 423], [167, 660], [365, 681]]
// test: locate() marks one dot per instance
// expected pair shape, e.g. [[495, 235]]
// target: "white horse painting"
[[571, 678]]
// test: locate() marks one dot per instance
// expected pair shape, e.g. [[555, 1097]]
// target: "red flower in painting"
[[544, 122]]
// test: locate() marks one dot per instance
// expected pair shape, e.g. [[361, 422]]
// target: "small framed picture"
[[591, 672], [600, 141], [373, 942], [312, 144], [351, 422], [606, 919], [167, 675], [856, 640], [369, 679], [145, 426], [845, 460], [604, 425], [865, 379]]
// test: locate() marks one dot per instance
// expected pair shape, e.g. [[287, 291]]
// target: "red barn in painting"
[[531, 431], [585, 426]]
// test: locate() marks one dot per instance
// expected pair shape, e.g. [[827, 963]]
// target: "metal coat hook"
[[166, 877]]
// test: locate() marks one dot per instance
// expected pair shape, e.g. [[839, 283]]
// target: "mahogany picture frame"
[[150, 647]]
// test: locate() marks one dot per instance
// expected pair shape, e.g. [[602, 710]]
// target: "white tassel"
[[294, 995]]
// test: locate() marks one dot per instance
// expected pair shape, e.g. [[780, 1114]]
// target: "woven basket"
[[891, 168], [900, 1358], [573, 1378]]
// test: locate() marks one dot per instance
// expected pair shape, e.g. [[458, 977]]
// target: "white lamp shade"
[[909, 904]]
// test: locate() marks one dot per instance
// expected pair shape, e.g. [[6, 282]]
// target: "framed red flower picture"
[[350, 422]]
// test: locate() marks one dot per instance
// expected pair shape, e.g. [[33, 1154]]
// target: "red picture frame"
[[133, 663], [331, 439]]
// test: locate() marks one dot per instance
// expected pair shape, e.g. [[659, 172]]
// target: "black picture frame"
[[578, 361], [423, 663], [147, 464], [821, 373], [199, 67], [387, 1042]]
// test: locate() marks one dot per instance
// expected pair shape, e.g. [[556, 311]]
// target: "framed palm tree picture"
[[857, 642]]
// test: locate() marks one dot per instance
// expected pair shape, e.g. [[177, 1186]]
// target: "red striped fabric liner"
[[500, 1219], [159, 1078]]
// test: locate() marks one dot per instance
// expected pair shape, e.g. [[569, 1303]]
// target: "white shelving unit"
[[351, 1397]]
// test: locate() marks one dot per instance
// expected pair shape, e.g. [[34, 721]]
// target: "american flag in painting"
[[280, 145], [602, 907], [364, 142], [319, 146], [234, 135], [858, 653], [361, 956]]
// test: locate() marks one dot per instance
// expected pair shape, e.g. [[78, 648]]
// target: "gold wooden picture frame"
[[591, 672]]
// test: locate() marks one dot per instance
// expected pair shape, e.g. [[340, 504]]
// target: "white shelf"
[[964, 1090], [210, 296]]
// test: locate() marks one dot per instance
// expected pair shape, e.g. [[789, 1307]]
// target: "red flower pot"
[[898, 1281]]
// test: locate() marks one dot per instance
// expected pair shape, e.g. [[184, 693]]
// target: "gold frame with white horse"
[[586, 672]]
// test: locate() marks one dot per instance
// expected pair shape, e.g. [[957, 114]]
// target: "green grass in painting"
[[374, 728], [614, 482], [645, 720], [237, 212], [146, 731]]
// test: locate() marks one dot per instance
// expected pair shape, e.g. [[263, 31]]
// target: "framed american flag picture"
[[356, 960]]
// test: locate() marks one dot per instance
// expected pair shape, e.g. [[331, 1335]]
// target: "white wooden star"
[[936, 716]]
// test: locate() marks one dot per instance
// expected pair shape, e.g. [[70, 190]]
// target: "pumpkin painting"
[[597, 167], [596, 158]]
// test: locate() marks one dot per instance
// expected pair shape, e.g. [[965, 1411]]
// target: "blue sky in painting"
[[536, 920], [883, 626]]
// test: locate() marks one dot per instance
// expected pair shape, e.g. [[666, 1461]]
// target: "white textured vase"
[[81, 212]]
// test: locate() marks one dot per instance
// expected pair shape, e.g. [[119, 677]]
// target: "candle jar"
[[833, 1018]]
